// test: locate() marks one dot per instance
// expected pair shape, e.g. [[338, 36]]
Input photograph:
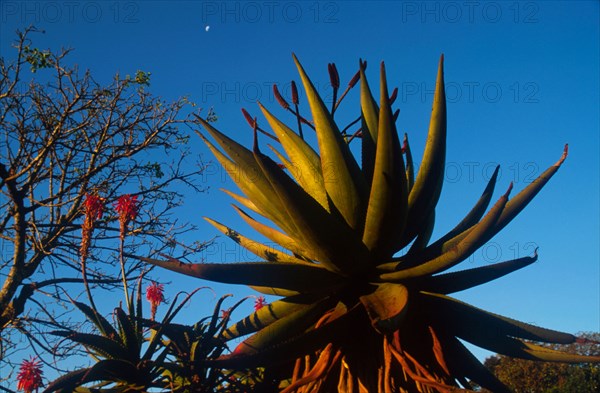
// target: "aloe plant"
[[365, 303], [137, 354]]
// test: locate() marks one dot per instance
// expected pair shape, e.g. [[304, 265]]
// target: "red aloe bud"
[[249, 118], [334, 77], [394, 96], [354, 79], [405, 143], [294, 93], [280, 98], [154, 294]]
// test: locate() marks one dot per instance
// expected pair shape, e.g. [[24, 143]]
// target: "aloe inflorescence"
[[364, 295]]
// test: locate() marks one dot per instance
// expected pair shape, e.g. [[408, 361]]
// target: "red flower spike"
[[249, 118], [259, 303], [93, 206], [29, 377], [154, 294], [127, 206], [334, 77], [280, 98], [294, 93]]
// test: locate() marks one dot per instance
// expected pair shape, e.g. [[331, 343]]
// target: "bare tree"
[[63, 137]]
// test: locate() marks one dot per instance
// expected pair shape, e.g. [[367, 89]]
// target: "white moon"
[[207, 28]]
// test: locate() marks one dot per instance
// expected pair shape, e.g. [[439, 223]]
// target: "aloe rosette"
[[365, 302]]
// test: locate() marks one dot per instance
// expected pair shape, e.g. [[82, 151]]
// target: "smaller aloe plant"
[[137, 354]]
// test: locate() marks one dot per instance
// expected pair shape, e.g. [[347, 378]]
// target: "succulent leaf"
[[292, 276], [370, 124], [386, 211], [428, 185], [267, 315], [522, 199], [305, 162], [270, 254], [246, 173], [293, 323], [462, 318], [343, 178], [274, 235], [480, 234], [465, 279], [329, 238], [386, 306]]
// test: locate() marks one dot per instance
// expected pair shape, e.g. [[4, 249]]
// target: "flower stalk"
[[127, 207], [93, 209]]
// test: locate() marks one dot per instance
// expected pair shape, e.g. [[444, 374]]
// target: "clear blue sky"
[[522, 80]]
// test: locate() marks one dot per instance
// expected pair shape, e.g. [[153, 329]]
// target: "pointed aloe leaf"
[[462, 362], [245, 172], [129, 335], [267, 315], [274, 291], [98, 320], [516, 204], [370, 123], [212, 328], [465, 279], [466, 321], [478, 210], [427, 188], [305, 162], [292, 276], [116, 370], [264, 252], [423, 238], [512, 209], [387, 207], [480, 234], [519, 201], [460, 231], [103, 346], [67, 382], [247, 203], [516, 348], [285, 163], [274, 235], [386, 306], [343, 179], [538, 352], [336, 246], [283, 328]]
